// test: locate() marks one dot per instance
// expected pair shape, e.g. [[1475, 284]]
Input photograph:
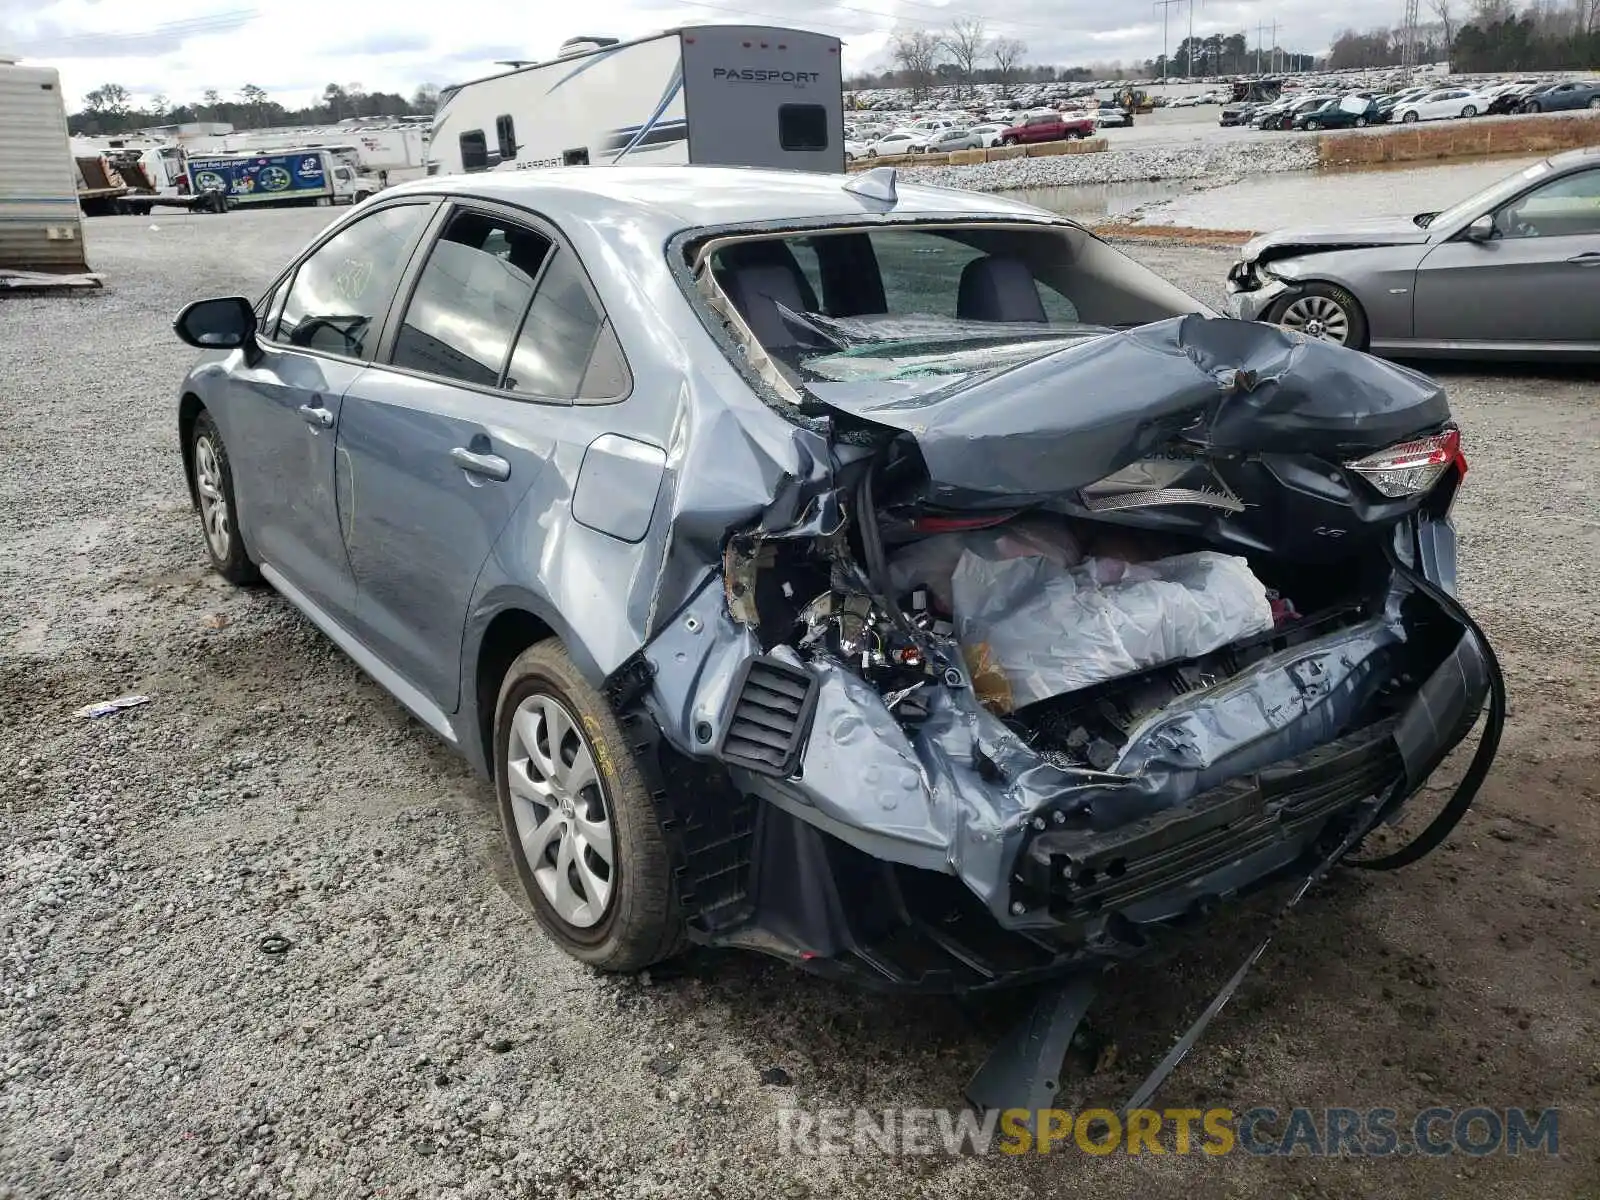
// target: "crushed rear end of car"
[[1050, 640]]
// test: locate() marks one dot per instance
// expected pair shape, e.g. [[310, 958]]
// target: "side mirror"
[[222, 324], [1481, 230]]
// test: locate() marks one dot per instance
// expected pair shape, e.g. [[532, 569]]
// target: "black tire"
[[1594, 102], [1410, 118], [1361, 122], [1011, 141], [872, 153], [1313, 126], [1469, 111], [1531, 106], [642, 923], [229, 556], [1355, 317]]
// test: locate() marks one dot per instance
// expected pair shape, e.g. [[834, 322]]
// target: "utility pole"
[[1276, 56], [1261, 32], [1166, 59], [1189, 62], [1408, 45]]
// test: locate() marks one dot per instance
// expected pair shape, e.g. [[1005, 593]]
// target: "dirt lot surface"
[[419, 1038]]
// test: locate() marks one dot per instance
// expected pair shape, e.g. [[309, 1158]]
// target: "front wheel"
[[1409, 118], [872, 154], [579, 820], [1361, 122], [1009, 142], [1313, 126], [1595, 103], [1531, 107], [214, 496], [1326, 312], [1469, 111]]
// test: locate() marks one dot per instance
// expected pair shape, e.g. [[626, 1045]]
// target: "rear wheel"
[[1313, 125], [1361, 122], [1595, 103], [1010, 141], [1327, 312], [1471, 110], [579, 821], [1531, 106]]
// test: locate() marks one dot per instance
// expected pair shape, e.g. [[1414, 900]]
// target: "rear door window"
[[470, 299], [558, 338]]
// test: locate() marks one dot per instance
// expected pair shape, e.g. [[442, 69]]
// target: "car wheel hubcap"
[[213, 501], [559, 807], [1318, 317]]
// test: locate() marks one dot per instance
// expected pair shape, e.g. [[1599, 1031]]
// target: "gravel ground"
[[418, 1038], [1195, 160]]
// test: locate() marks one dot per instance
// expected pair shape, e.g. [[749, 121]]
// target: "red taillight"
[[1412, 467], [958, 524]]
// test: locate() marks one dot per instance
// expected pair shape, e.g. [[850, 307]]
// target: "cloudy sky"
[[293, 48]]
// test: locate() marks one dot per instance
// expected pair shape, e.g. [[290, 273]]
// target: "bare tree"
[[966, 45], [916, 53], [1443, 9], [1008, 53]]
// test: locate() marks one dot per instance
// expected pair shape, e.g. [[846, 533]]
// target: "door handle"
[[1591, 259], [490, 466], [315, 414]]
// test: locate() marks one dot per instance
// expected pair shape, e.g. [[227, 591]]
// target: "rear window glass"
[[802, 127]]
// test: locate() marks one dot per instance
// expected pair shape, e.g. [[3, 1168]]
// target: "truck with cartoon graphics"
[[708, 95], [284, 178]]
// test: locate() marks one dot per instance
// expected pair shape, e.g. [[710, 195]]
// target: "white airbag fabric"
[[1032, 628]]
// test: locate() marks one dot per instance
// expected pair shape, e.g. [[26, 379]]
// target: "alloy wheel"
[[1318, 317], [558, 803], [214, 517]]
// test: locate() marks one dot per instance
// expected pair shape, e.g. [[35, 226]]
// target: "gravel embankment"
[[414, 1036], [1220, 161]]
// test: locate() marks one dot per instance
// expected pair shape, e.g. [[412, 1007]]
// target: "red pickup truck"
[[1047, 127]]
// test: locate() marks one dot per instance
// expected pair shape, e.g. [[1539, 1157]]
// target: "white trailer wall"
[[41, 226]]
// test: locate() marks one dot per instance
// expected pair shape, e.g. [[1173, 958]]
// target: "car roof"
[[670, 199]]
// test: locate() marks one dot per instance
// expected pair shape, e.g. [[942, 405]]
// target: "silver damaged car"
[[898, 581], [1511, 272]]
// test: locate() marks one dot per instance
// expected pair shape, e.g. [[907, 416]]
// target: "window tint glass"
[[802, 127], [474, 151], [607, 377], [469, 299], [340, 294], [1568, 207], [553, 348]]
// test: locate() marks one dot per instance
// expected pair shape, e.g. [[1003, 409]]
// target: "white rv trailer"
[[41, 225], [722, 95]]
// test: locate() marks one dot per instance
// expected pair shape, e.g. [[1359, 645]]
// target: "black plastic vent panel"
[[770, 718]]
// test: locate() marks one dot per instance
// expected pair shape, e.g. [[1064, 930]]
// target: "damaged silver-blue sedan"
[[898, 581]]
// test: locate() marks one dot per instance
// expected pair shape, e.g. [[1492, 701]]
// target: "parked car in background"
[[1112, 116], [1564, 97], [1513, 271], [945, 140], [1046, 127], [992, 132], [552, 467], [1440, 105], [900, 141], [1282, 116], [1351, 112], [854, 149]]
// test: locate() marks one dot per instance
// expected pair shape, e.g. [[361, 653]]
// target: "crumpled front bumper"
[[952, 856], [1252, 293]]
